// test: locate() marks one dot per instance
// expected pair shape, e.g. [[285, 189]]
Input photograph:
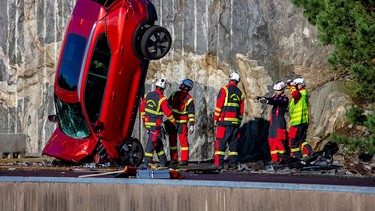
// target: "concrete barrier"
[[21, 193], [12, 145]]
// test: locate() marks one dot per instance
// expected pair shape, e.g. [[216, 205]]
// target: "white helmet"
[[235, 77], [280, 85], [162, 83], [299, 81]]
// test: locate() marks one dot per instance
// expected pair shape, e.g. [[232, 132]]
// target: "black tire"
[[156, 43], [131, 152]]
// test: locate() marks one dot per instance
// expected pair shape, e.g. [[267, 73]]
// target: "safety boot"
[[183, 163]]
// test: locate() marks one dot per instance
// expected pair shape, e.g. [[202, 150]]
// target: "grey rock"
[[264, 41]]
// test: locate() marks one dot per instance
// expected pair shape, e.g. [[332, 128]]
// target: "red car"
[[100, 78]]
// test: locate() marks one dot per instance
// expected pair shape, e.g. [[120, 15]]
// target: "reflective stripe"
[[161, 153], [231, 119], [181, 121], [148, 154], [184, 148], [295, 150], [226, 95], [304, 143], [233, 104], [188, 102], [219, 153], [274, 152], [233, 153], [150, 123], [154, 112], [171, 118], [217, 109], [173, 148], [217, 114], [191, 117], [179, 112]]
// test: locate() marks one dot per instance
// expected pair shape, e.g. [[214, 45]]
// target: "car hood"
[[67, 148]]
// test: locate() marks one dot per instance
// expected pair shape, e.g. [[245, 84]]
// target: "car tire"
[[156, 42], [131, 152]]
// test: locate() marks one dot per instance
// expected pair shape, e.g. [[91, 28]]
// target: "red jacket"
[[153, 107], [183, 107], [295, 92], [230, 105]]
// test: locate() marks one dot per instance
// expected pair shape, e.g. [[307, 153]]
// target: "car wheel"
[[156, 42], [131, 152]]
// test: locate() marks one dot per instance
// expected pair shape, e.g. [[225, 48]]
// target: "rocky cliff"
[[265, 41]]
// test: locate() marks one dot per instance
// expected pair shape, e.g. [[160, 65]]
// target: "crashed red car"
[[100, 78]]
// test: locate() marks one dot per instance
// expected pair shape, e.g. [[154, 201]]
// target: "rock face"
[[265, 41]]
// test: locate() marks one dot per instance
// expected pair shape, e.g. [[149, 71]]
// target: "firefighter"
[[299, 118], [153, 107], [277, 129], [228, 116], [184, 111]]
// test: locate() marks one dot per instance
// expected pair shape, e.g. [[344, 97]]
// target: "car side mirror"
[[98, 126], [53, 118]]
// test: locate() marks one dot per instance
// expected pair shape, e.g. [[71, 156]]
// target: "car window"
[[71, 119], [97, 78], [71, 62], [107, 2]]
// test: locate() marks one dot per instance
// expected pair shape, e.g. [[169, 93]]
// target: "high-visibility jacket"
[[298, 107], [229, 106], [183, 107], [153, 107]]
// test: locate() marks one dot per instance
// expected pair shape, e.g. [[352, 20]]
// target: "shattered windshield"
[[71, 119]]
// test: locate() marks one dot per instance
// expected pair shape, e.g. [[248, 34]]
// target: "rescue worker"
[[228, 116], [153, 107], [299, 118], [277, 129], [184, 111]]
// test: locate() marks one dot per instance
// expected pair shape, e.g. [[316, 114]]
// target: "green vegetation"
[[355, 115], [349, 27], [355, 145]]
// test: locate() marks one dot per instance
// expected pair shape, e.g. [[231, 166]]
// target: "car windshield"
[[71, 62], [71, 119]]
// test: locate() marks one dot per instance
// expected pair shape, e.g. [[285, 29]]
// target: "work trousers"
[[276, 148], [154, 143], [277, 136], [182, 133], [226, 135], [297, 141]]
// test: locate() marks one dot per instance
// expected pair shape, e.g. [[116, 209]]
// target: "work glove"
[[215, 123], [191, 129], [263, 100]]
